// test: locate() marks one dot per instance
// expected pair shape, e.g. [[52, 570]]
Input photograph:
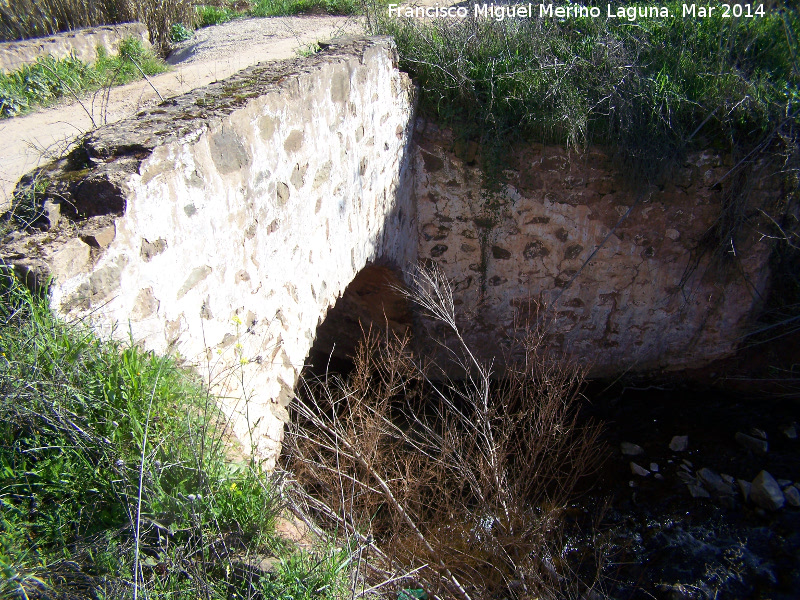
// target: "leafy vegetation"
[[650, 88], [113, 476], [49, 79]]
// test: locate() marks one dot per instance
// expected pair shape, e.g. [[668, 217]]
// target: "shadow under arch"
[[370, 301]]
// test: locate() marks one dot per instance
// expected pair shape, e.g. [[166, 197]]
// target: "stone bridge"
[[224, 224]]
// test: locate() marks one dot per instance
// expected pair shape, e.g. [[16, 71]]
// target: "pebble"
[[629, 449], [659, 476], [654, 467], [638, 470], [747, 441], [679, 443], [792, 495], [766, 493]]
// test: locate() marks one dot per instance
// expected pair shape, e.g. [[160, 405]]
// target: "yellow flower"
[[233, 486], [236, 320]]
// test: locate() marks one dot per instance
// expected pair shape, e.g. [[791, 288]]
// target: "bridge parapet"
[[224, 223]]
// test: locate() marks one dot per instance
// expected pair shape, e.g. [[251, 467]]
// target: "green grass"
[[49, 80], [207, 15], [82, 422], [214, 15], [274, 8], [650, 89]]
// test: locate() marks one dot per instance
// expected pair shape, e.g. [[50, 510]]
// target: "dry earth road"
[[213, 53]]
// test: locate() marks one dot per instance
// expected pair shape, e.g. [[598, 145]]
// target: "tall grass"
[[24, 19], [650, 88], [114, 479]]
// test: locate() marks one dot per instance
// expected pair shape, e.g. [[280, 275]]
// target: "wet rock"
[[629, 449], [728, 478], [792, 496], [679, 443], [754, 444], [654, 467], [758, 433], [713, 482], [744, 487], [659, 476], [784, 482], [766, 493], [639, 470], [697, 491]]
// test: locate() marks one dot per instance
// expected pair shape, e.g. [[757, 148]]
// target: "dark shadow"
[[370, 302]]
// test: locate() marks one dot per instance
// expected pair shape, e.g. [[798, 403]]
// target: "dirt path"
[[211, 54]]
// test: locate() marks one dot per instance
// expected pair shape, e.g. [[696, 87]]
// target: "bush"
[[180, 33], [462, 483]]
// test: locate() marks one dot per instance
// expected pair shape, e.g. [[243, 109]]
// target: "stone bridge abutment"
[[261, 222]]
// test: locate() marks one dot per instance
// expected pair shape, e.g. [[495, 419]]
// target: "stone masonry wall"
[[648, 299], [82, 44], [223, 224]]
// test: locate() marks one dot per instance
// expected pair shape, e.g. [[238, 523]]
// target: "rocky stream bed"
[[699, 498]]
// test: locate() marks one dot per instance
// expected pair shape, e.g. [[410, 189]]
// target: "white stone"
[[70, 260]]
